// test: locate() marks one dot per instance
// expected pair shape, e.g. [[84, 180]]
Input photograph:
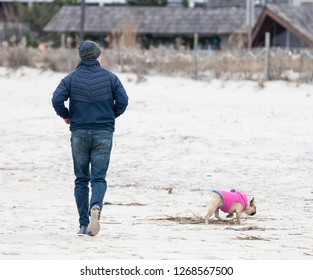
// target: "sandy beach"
[[178, 140]]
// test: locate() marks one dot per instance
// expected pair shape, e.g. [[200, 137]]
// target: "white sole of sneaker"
[[82, 234], [94, 225]]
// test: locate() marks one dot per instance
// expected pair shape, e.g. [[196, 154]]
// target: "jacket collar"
[[88, 62]]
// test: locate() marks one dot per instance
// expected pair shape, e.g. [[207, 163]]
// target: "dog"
[[230, 202]]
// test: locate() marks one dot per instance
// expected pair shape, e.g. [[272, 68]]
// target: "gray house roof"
[[164, 21], [296, 19]]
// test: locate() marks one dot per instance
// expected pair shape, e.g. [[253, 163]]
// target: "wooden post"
[[267, 56], [195, 41], [82, 21], [195, 50], [287, 39], [63, 38], [121, 47], [249, 23]]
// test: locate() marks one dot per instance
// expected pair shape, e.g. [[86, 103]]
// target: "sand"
[[178, 139]]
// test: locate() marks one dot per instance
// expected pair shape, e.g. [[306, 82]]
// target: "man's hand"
[[67, 121]]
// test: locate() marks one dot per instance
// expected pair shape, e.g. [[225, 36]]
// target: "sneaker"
[[94, 225], [82, 231]]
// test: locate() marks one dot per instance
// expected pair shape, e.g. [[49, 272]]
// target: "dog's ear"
[[252, 201]]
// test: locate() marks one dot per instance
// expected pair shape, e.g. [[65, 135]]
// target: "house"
[[289, 26], [210, 27]]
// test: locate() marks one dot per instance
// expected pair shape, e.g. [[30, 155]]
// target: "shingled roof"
[[296, 19], [154, 20]]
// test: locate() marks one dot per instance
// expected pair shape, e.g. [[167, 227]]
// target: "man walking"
[[96, 97]]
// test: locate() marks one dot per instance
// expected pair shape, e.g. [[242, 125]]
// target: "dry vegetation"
[[195, 219], [202, 65]]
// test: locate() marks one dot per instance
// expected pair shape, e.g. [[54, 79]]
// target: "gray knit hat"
[[89, 49]]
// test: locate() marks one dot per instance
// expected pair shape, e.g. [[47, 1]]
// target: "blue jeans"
[[91, 150]]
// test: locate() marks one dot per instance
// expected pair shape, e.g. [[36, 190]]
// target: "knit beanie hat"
[[89, 49]]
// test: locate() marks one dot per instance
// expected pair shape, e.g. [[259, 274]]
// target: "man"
[[96, 97]]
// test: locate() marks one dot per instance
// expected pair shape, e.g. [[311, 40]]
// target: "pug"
[[230, 202]]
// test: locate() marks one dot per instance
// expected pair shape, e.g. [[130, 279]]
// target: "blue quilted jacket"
[[96, 97]]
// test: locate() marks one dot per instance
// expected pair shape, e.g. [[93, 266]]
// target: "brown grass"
[[196, 219], [225, 65], [251, 238], [125, 204], [249, 228]]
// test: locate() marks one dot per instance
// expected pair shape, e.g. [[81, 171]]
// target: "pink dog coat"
[[230, 197]]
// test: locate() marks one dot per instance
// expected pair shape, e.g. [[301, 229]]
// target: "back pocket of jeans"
[[102, 144], [78, 142]]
